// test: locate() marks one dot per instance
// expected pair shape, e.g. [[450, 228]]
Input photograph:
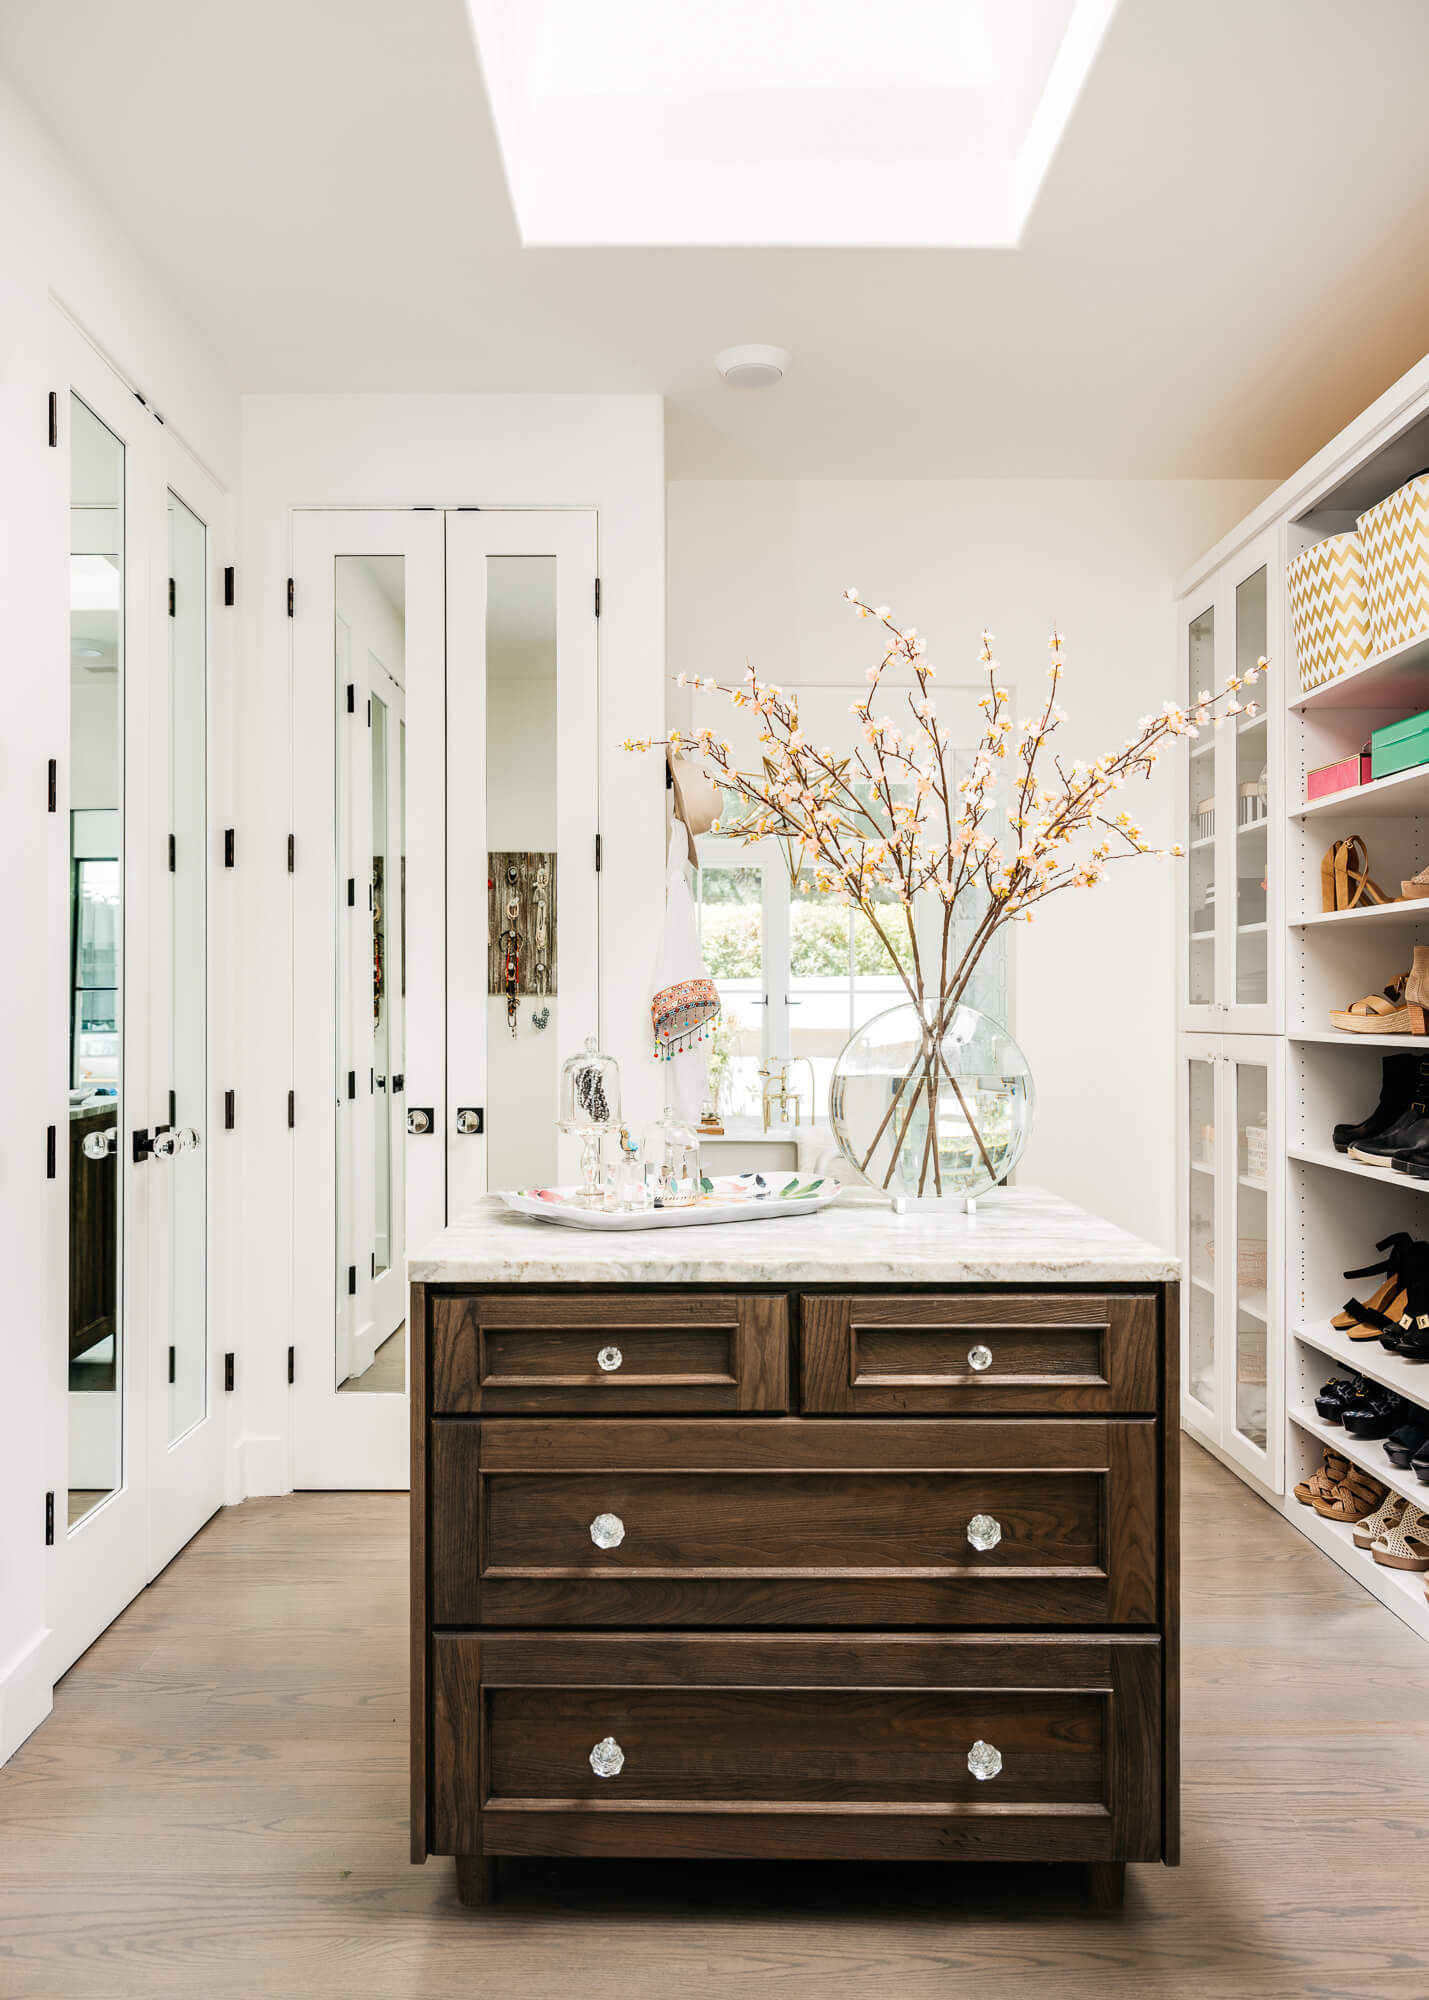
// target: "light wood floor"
[[388, 1373], [217, 1808]]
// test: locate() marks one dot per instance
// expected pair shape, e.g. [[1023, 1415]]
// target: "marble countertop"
[[1016, 1236]]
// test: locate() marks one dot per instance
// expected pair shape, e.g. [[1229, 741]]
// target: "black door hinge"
[[292, 1370], [352, 892], [49, 1152], [292, 1109], [228, 584], [290, 597], [173, 1108], [228, 1110], [292, 852], [54, 785], [372, 1083], [351, 699], [173, 600], [597, 854], [352, 1083], [228, 847], [374, 1264], [173, 1351], [597, 597], [49, 1497], [173, 854], [54, 439], [228, 1372], [352, 1281], [369, 711]]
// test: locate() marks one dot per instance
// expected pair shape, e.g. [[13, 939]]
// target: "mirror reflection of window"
[[370, 884], [96, 946]]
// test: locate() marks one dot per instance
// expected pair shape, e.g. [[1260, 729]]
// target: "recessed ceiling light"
[[753, 366]]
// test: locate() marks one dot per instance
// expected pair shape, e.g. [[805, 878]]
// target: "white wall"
[[601, 452], [55, 237], [756, 570]]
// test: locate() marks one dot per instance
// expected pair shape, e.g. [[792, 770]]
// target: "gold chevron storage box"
[[1395, 535], [1329, 610]]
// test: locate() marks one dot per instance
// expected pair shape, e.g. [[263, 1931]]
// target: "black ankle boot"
[[1400, 1083], [1408, 1133]]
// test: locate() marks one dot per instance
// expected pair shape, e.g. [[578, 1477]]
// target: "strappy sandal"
[[1380, 1521], [1378, 1013], [1354, 886], [1405, 1544], [1323, 1480], [1382, 1311], [1355, 1497]]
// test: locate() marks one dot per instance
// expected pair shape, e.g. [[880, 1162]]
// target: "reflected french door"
[[444, 676], [138, 1445]]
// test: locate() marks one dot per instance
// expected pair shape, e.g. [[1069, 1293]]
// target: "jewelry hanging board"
[[517, 878]]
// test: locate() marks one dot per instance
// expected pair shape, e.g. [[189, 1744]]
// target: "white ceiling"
[[1226, 261]]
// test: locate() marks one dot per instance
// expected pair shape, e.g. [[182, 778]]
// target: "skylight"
[[781, 122]]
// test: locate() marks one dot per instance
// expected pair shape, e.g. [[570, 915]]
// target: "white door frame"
[[359, 1439]]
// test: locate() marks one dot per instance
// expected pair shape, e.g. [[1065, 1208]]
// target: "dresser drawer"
[[555, 1743], [794, 1522], [890, 1353], [586, 1352]]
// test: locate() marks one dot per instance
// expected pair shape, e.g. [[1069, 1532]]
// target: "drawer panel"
[[879, 1726], [585, 1352], [990, 1353], [1008, 1523]]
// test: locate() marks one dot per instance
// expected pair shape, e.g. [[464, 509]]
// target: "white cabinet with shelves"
[[1324, 1213], [1232, 1231], [1230, 980]]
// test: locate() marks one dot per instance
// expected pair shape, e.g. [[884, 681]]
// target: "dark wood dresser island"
[[852, 1535]]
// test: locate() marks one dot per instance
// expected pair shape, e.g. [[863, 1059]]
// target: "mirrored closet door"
[[445, 900], [138, 1461]]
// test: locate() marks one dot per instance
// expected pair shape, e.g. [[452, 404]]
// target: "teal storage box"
[[1400, 746]]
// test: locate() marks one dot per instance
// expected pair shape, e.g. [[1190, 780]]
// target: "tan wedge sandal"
[[1378, 1013], [1355, 1497], [1410, 891], [1323, 1480], [1405, 1545], [1384, 1517]]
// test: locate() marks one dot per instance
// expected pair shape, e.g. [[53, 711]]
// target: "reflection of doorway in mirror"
[[370, 877], [521, 833]]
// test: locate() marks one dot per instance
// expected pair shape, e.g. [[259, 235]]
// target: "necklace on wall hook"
[[511, 977]]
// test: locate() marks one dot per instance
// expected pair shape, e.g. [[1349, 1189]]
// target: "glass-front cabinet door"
[[1232, 1313], [1231, 799]]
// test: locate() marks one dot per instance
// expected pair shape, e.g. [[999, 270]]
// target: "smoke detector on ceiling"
[[753, 366]]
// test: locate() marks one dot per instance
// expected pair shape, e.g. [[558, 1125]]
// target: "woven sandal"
[[1405, 1545], [1356, 1497], [1378, 1013], [1413, 889], [1380, 1521], [1326, 1476]]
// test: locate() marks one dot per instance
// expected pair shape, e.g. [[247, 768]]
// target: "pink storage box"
[[1341, 777]]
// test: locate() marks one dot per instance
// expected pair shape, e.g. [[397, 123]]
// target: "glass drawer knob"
[[979, 1358], [607, 1759], [984, 1532], [984, 1759], [607, 1531], [608, 1360]]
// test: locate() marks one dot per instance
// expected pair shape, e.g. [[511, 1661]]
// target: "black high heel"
[[1405, 1445], [1382, 1312]]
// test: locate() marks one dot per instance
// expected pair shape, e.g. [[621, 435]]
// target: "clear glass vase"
[[929, 1117]]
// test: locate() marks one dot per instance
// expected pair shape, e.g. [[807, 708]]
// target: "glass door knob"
[[979, 1358], [164, 1145], [186, 1139], [608, 1360], [984, 1760], [607, 1531], [607, 1759], [99, 1145], [984, 1532]]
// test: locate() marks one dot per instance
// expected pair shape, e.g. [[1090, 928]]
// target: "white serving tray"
[[732, 1198]]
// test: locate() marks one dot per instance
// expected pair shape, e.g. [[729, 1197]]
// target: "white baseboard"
[[262, 1467], [26, 1694]]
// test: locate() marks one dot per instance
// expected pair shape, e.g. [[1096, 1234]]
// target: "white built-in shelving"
[[1254, 1011]]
